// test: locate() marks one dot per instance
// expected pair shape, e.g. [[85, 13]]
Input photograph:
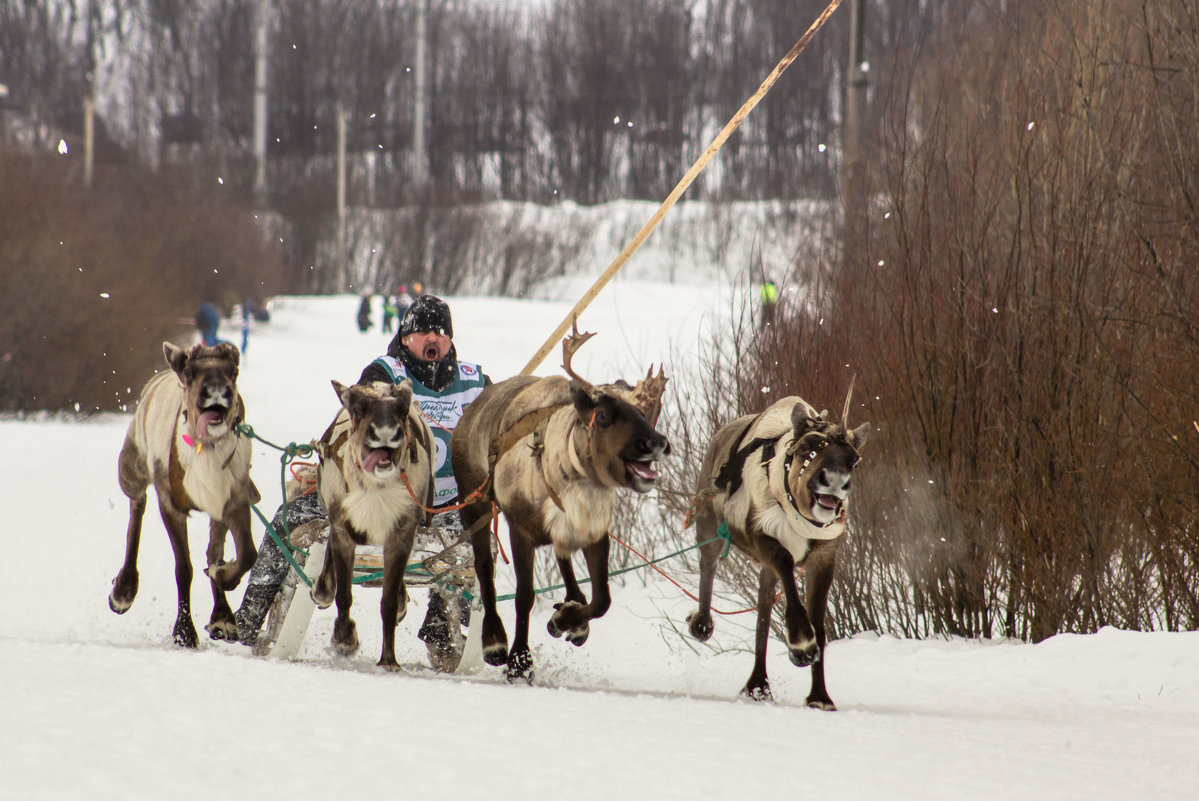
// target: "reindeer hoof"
[[700, 626], [222, 630], [184, 634], [565, 619], [321, 596], [119, 607], [123, 592], [390, 665], [345, 637], [824, 703], [496, 655], [758, 691], [578, 636], [224, 576], [803, 657], [520, 666]]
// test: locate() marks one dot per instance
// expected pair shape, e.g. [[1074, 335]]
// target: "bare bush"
[[1023, 325], [1026, 326], [94, 280], [453, 247]]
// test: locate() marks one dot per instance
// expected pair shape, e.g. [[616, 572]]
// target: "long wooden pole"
[[679, 189]]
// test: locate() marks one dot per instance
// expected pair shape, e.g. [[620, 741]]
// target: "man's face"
[[428, 346]]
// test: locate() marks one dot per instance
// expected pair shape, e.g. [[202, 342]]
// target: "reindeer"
[[182, 441], [781, 482], [375, 477], [552, 454]]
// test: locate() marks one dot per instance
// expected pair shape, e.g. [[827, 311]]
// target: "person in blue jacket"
[[208, 319]]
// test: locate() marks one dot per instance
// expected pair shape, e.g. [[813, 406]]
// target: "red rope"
[[308, 484]]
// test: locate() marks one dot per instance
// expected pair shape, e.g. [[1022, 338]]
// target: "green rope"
[[294, 450], [722, 533], [290, 452], [284, 546]]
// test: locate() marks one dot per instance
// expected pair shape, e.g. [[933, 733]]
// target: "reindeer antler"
[[647, 395], [573, 341], [845, 409]]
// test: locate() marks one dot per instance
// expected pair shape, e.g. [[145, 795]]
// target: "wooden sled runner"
[[434, 565]]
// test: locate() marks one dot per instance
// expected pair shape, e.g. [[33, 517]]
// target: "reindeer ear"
[[343, 392], [176, 357], [229, 351], [858, 436], [402, 392], [802, 418], [582, 398]]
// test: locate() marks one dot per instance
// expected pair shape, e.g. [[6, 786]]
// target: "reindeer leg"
[[699, 622], [124, 586], [341, 553], [394, 605], [818, 577], [520, 659], [573, 619], [221, 626], [574, 598], [495, 639], [801, 640], [758, 688], [573, 591], [324, 589], [175, 521], [227, 575], [134, 481]]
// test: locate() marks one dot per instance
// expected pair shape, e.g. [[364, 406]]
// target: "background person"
[[208, 320], [364, 314]]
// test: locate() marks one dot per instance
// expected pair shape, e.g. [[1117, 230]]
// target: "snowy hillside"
[[98, 706]]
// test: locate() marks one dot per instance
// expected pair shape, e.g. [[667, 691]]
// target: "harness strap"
[[538, 448], [529, 424], [730, 475]]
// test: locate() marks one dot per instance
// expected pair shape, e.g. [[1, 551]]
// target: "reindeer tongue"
[[203, 422], [827, 501], [378, 456], [643, 469]]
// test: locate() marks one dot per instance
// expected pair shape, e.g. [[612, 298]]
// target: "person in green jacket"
[[770, 298]]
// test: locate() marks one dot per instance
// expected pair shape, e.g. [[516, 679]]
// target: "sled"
[[432, 566]]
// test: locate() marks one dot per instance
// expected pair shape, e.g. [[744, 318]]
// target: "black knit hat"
[[427, 313]]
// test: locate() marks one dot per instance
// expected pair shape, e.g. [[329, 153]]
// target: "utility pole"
[[341, 194], [420, 157], [89, 102], [261, 27], [854, 179]]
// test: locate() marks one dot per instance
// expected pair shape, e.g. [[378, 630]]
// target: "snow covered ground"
[[99, 706]]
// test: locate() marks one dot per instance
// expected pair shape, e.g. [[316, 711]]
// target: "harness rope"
[[293, 450]]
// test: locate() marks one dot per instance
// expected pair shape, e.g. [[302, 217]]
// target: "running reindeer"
[[183, 442], [553, 454], [376, 481], [781, 482]]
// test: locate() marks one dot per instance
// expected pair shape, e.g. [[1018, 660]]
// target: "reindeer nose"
[[383, 436], [833, 479], [655, 445]]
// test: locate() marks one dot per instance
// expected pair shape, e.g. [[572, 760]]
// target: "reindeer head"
[[209, 377], [620, 420], [378, 424], [822, 457]]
